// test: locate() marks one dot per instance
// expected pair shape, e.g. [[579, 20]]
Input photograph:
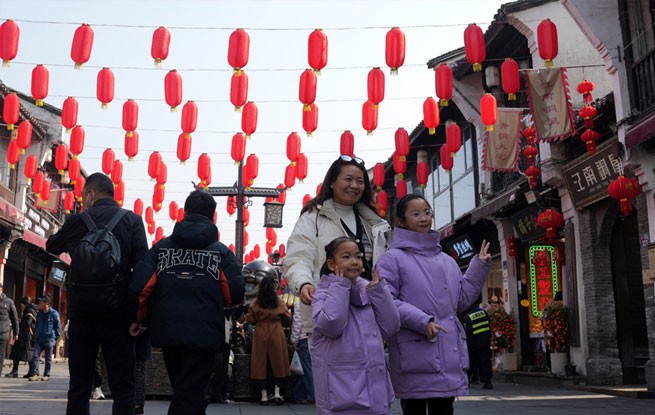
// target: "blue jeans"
[[48, 349], [304, 389]]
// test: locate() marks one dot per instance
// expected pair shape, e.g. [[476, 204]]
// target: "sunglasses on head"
[[348, 158]]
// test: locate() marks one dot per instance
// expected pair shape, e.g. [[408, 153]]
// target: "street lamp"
[[273, 214]]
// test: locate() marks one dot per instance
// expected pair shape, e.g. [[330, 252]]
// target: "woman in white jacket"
[[344, 206]]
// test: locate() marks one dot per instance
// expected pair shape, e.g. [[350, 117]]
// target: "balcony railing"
[[7, 194], [643, 82]]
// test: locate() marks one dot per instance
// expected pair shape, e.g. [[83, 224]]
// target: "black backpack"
[[96, 280]]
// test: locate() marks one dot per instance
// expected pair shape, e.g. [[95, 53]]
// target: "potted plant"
[[555, 322], [503, 336]]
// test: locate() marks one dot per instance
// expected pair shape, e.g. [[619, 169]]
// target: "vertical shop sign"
[[543, 277]]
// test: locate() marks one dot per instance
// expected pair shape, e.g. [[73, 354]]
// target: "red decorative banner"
[[500, 150], [550, 103]]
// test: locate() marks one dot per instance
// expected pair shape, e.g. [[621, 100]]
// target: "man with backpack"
[[105, 242], [179, 292]]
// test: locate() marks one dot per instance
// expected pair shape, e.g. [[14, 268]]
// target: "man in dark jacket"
[[8, 323], [48, 331], [179, 291], [91, 328], [478, 338]]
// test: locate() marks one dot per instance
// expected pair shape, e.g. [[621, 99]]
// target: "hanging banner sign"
[[544, 282], [500, 150], [550, 103]]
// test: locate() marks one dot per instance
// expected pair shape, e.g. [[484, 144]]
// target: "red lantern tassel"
[[626, 207], [591, 147], [550, 233]]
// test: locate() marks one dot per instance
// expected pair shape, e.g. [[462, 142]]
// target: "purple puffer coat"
[[350, 321], [426, 283]]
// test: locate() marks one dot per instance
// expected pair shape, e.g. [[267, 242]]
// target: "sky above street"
[[200, 31]]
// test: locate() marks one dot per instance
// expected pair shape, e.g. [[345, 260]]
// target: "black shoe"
[[28, 375], [487, 385], [12, 375]]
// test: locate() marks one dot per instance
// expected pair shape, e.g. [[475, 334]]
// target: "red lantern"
[[154, 164], [301, 167], [317, 50], [547, 41], [444, 84], [161, 40], [453, 138], [77, 140], [529, 134], [24, 136], [105, 87], [585, 88], [231, 205], [246, 238], [306, 199], [310, 119], [183, 148], [446, 159], [239, 90], [431, 115], [624, 189], [347, 146], [282, 198], [29, 170], [39, 179], [74, 170], [256, 250], [69, 202], [130, 116], [119, 193], [173, 89], [395, 49], [511, 247], [307, 91], [189, 118], [40, 80], [131, 145], [45, 191], [13, 154], [204, 169], [375, 86], [488, 111], [61, 158], [401, 189], [238, 50], [474, 46], [9, 35], [172, 210], [587, 113], [382, 203], [117, 172], [422, 173], [378, 175], [293, 147], [82, 43], [271, 236], [550, 220], [162, 177], [399, 165], [69, 113], [238, 147], [511, 80], [159, 233], [530, 152], [269, 248], [11, 110], [252, 166], [533, 176], [589, 137], [158, 195], [282, 250], [77, 188], [369, 117], [231, 247], [290, 176], [180, 215], [138, 207], [150, 218], [108, 158], [402, 143], [249, 119]]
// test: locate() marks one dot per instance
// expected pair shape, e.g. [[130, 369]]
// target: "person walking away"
[[478, 339], [142, 353], [178, 293], [303, 392], [9, 326], [48, 331], [428, 356], [97, 292], [269, 344], [23, 349], [351, 316], [97, 393]]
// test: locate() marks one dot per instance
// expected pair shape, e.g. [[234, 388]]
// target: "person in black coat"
[[23, 349], [8, 324]]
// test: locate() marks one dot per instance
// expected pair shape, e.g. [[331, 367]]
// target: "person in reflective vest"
[[478, 338]]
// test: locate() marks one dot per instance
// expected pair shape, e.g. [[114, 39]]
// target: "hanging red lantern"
[[69, 113], [369, 117], [532, 172], [119, 193], [402, 143], [547, 41], [9, 35], [131, 145], [69, 202], [130, 116], [246, 239], [444, 84], [82, 44], [159, 234], [117, 172], [282, 197], [624, 189], [293, 147], [231, 205], [269, 248], [11, 110], [347, 146], [378, 175], [151, 229], [189, 118], [474, 46], [401, 189], [395, 49], [301, 167], [375, 86], [172, 210], [246, 216], [585, 88], [310, 119], [180, 215], [150, 215], [77, 188], [183, 148], [29, 170], [13, 154], [588, 113], [105, 87], [399, 165], [158, 196], [154, 164], [77, 140], [306, 199], [40, 81], [162, 177], [550, 220], [431, 115], [37, 184], [249, 119], [488, 111], [45, 191], [61, 158], [138, 207], [511, 80], [24, 136], [238, 151], [422, 173], [271, 236], [589, 137], [290, 176], [282, 250], [256, 250], [530, 135], [173, 89], [252, 165], [74, 170], [239, 90], [238, 50], [382, 203], [204, 168], [307, 90], [161, 41], [317, 50], [108, 158], [530, 152], [453, 138], [446, 159]]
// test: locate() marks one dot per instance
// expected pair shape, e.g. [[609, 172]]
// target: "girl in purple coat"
[[428, 356], [351, 317]]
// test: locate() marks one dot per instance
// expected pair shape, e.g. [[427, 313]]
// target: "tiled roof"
[[37, 127]]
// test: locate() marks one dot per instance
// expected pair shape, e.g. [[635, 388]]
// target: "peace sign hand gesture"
[[375, 278], [484, 255]]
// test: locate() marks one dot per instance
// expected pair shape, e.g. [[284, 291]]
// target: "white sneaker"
[[97, 394]]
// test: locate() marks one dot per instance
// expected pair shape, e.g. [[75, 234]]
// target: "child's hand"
[[484, 255], [375, 278], [433, 329]]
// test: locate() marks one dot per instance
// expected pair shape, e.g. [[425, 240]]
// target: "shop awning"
[[638, 133], [494, 205], [38, 240]]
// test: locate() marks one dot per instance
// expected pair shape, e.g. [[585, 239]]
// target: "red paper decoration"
[[395, 49], [378, 175], [77, 188], [271, 236], [290, 176], [453, 138], [530, 135], [40, 80], [161, 41], [162, 177], [530, 152], [204, 169], [131, 145], [11, 110], [624, 189], [307, 90], [547, 41], [238, 147], [446, 159], [256, 250], [117, 172], [189, 118], [306, 199], [231, 205], [282, 198], [550, 220], [159, 234], [310, 119], [488, 111], [68, 113], [108, 158], [444, 84], [105, 87], [158, 195], [238, 50], [430, 115], [69, 202], [369, 117], [24, 136], [511, 80], [29, 170], [402, 143], [317, 50], [588, 113], [183, 148], [375, 86], [9, 35], [173, 89], [532, 172], [39, 179], [119, 193], [13, 154], [252, 166], [589, 137], [282, 250], [138, 207], [45, 191], [82, 44], [239, 90], [130, 116], [474, 46], [249, 119], [61, 158], [302, 167], [401, 189], [399, 165], [293, 147], [586, 88], [382, 203], [180, 215], [150, 217], [422, 173], [77, 140], [347, 145], [154, 164], [74, 170], [172, 210]]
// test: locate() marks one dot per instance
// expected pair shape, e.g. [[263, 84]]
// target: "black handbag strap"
[[91, 225]]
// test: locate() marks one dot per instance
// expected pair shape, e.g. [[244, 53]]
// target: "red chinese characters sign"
[[501, 146], [544, 281], [550, 104]]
